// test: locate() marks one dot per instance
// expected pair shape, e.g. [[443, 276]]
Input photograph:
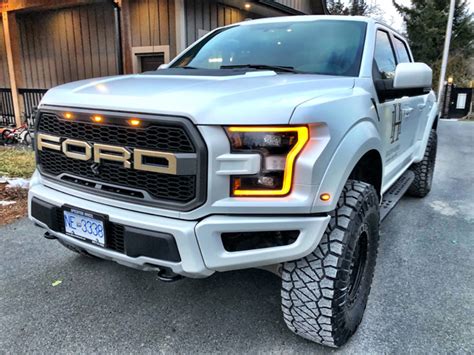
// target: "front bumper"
[[199, 243]]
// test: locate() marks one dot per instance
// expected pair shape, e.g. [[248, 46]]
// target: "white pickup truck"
[[276, 143]]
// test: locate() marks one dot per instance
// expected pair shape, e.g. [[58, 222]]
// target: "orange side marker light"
[[325, 197]]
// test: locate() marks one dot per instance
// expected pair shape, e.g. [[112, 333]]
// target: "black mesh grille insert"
[[163, 134], [115, 238], [156, 137], [161, 186]]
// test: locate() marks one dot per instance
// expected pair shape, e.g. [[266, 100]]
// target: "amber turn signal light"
[[279, 147]]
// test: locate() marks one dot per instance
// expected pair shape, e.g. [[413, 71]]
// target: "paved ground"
[[422, 298]]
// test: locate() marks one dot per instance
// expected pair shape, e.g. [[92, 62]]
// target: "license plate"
[[84, 225]]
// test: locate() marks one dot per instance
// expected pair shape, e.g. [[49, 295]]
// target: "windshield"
[[331, 47]]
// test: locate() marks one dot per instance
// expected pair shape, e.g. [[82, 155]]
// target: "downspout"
[[118, 39]]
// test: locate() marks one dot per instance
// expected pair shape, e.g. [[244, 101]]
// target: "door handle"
[[421, 106], [407, 110]]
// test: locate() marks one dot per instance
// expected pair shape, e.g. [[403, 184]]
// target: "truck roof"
[[303, 18]]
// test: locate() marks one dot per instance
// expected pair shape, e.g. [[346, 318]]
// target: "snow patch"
[[455, 208], [15, 182], [443, 208]]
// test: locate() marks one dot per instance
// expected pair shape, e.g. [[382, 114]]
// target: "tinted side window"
[[402, 51], [384, 56]]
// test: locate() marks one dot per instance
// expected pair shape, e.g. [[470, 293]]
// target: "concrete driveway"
[[422, 299]]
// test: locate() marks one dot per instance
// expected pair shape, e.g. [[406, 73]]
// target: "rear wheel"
[[421, 186], [324, 294]]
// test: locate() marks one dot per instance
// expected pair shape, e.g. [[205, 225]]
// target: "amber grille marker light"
[[303, 137], [68, 115], [134, 122], [97, 118]]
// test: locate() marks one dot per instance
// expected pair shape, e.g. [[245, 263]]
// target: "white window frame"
[[138, 52]]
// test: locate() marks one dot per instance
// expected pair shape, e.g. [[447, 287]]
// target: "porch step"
[[395, 193]]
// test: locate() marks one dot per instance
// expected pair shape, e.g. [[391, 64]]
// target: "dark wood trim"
[[126, 35]]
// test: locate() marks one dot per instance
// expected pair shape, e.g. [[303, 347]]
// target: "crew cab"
[[276, 143]]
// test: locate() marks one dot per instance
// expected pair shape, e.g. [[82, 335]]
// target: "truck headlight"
[[279, 147]]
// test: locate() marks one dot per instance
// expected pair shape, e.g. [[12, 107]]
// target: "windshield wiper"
[[262, 67]]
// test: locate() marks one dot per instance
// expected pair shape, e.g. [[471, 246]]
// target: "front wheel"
[[26, 138], [324, 294]]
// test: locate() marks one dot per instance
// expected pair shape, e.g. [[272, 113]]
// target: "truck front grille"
[[182, 191]]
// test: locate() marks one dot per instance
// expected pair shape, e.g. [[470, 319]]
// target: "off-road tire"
[[421, 186], [323, 295]]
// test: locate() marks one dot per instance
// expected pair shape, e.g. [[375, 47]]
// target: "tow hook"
[[166, 275], [49, 236]]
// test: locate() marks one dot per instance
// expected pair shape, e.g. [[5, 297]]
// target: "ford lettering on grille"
[[131, 159], [163, 162]]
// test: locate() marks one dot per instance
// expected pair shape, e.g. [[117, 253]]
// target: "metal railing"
[[31, 99], [7, 113]]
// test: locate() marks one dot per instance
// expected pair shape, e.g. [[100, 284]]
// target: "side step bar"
[[395, 193]]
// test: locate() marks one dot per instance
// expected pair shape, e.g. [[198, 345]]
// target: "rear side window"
[[402, 51], [384, 56]]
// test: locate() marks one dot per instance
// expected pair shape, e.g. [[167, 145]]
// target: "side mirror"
[[163, 66], [412, 76]]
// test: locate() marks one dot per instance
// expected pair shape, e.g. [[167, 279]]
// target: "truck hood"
[[260, 97]]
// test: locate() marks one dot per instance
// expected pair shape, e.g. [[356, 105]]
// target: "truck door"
[[417, 108], [397, 130]]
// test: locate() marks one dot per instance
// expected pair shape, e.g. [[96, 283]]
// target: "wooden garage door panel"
[[60, 46]]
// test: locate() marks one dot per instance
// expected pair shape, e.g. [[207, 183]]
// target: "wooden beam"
[[12, 44], [126, 35], [180, 21]]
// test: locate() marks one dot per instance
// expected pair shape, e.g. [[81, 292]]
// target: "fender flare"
[[346, 156], [433, 115]]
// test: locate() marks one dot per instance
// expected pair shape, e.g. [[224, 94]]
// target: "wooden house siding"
[[301, 5], [209, 14], [65, 45], [153, 23], [4, 78]]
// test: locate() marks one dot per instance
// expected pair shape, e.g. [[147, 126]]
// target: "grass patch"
[[17, 162]]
